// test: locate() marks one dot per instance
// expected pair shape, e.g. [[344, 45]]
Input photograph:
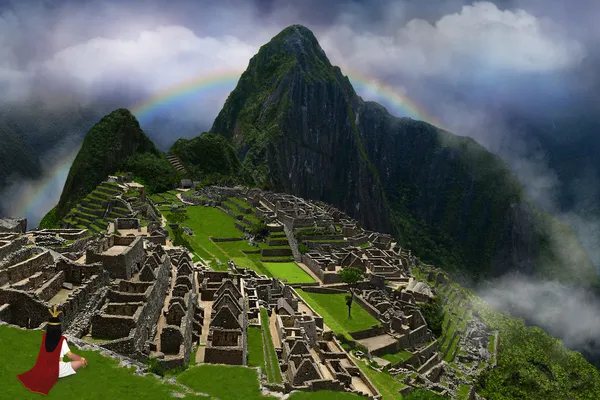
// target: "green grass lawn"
[[288, 272], [395, 358], [271, 363], [333, 309], [102, 379], [209, 221], [387, 385], [256, 357], [225, 382]]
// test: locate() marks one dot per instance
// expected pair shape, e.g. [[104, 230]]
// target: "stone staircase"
[[177, 164]]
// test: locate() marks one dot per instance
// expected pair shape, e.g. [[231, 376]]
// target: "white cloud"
[[157, 59], [479, 39]]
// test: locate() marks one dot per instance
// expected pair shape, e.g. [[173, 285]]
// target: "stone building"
[[227, 341], [121, 256]]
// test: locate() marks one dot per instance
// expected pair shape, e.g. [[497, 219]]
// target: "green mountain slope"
[[210, 158], [105, 149], [298, 125]]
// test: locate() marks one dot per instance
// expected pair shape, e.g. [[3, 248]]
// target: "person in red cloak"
[[49, 365]]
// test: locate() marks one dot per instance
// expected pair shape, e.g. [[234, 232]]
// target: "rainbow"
[[218, 81], [226, 80], [38, 198]]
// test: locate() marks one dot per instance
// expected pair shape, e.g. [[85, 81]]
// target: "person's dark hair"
[[53, 333]]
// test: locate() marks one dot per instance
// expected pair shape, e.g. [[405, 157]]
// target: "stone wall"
[[83, 302], [157, 239], [367, 333], [276, 252], [368, 307], [325, 290], [76, 273], [224, 355], [12, 246], [4, 312], [77, 246], [112, 326], [121, 266], [51, 287], [25, 310], [25, 269], [333, 245], [230, 239], [151, 310]]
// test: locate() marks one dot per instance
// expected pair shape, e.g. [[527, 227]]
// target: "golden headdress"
[[54, 316]]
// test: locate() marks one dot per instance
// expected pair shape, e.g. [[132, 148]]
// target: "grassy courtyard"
[[288, 272], [210, 221], [333, 309]]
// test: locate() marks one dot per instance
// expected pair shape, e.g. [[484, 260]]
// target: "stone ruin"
[[13, 225], [227, 340]]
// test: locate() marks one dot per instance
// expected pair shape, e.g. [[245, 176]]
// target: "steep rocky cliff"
[[298, 126]]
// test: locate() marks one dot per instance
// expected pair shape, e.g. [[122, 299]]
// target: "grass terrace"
[[333, 309], [210, 221], [288, 272], [270, 359], [395, 358], [256, 357], [89, 213]]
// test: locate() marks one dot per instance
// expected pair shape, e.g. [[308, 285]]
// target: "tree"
[[434, 316], [351, 276], [259, 230]]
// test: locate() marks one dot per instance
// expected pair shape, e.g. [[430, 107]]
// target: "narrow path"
[[207, 305], [273, 329]]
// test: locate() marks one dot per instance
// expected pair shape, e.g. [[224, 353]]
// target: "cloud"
[[156, 59], [569, 313], [480, 39]]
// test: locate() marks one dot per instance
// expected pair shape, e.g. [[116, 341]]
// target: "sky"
[[489, 70]]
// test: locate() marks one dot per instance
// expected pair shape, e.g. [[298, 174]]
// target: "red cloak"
[[44, 374]]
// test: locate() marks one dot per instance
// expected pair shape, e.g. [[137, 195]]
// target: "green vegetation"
[[20, 348], [288, 272], [155, 172], [90, 212], [222, 381], [50, 220], [105, 149], [271, 363], [211, 159], [351, 276], [395, 358], [256, 356], [434, 315], [387, 385], [332, 307], [533, 365]]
